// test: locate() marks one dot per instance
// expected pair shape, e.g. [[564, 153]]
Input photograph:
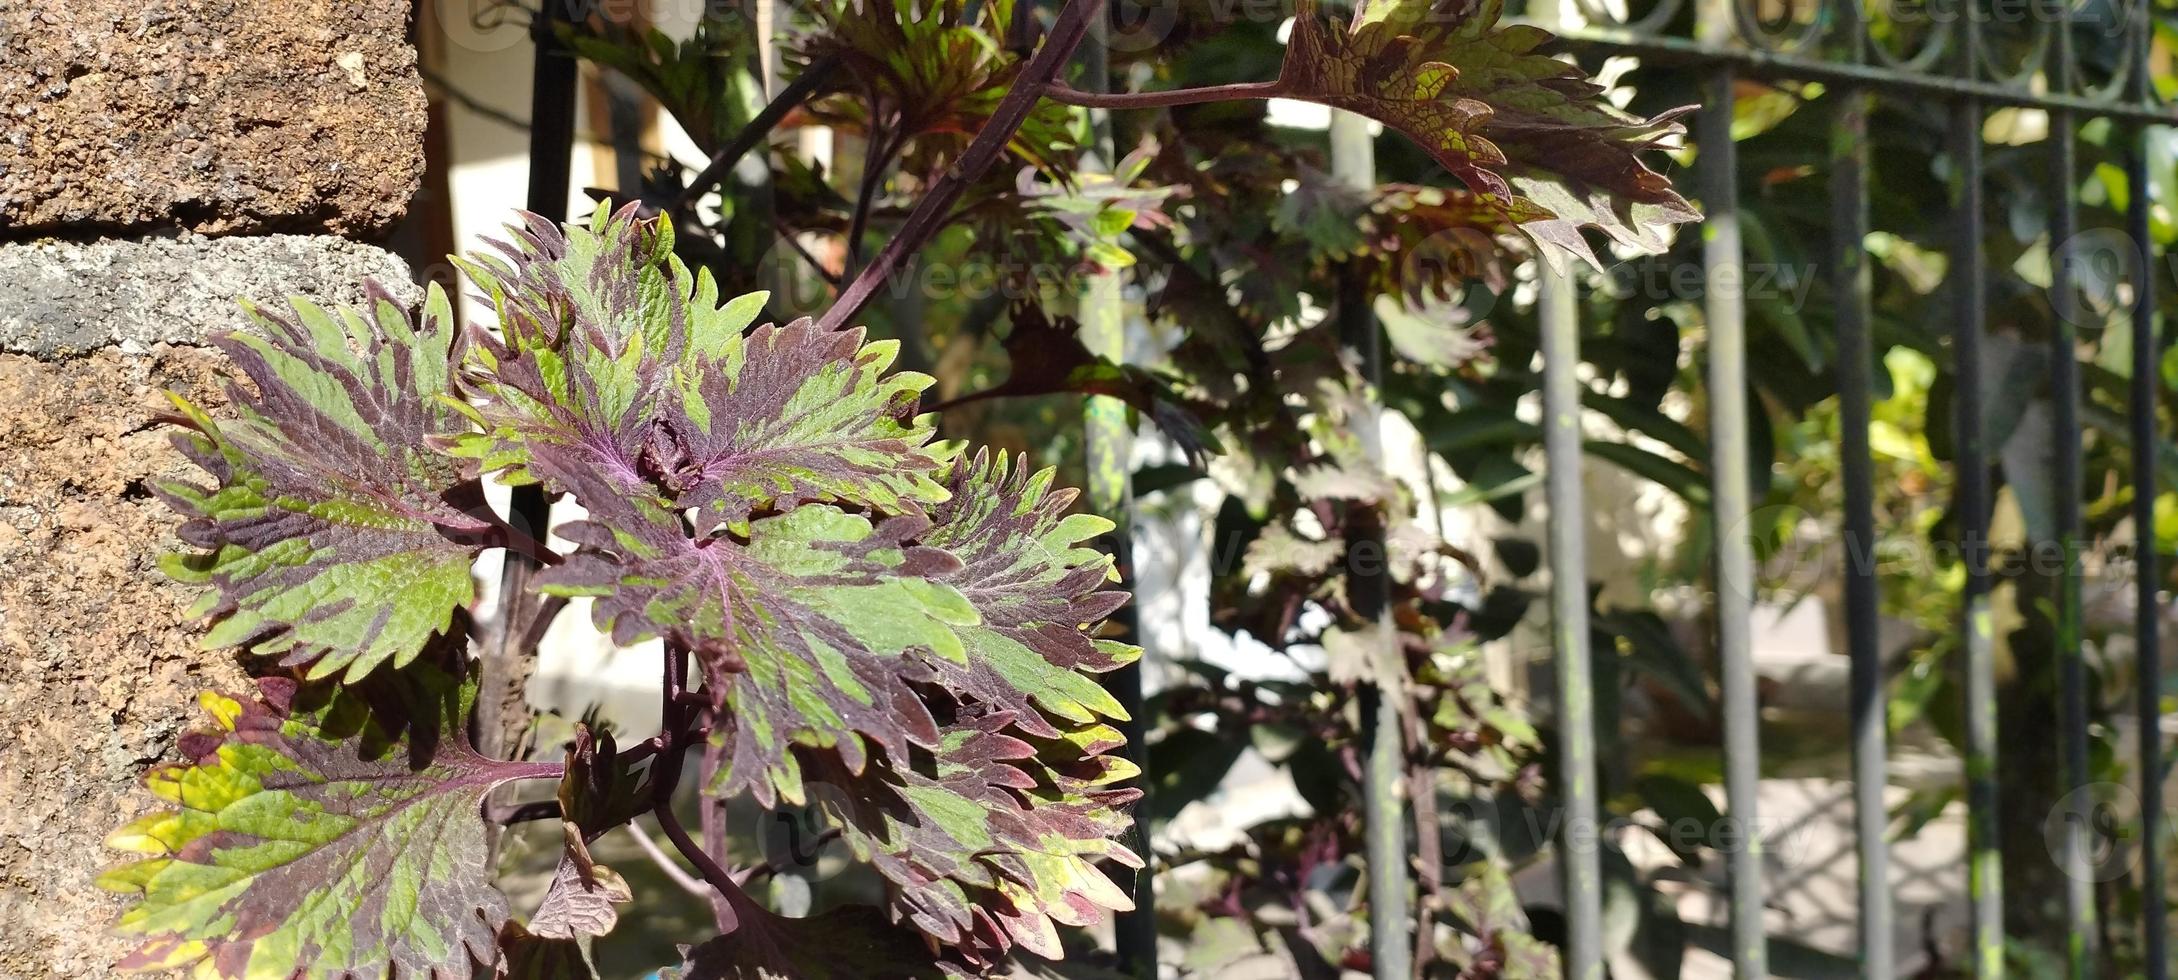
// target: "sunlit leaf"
[[999, 844], [936, 70], [333, 534], [584, 897], [618, 365], [319, 832], [1529, 134]]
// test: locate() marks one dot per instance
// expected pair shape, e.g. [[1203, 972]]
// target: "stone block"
[[99, 661], [213, 117], [59, 298]]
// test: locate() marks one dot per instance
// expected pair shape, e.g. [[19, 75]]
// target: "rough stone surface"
[[99, 665], [60, 298], [215, 117]]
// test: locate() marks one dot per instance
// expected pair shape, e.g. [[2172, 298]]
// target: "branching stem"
[[666, 864], [1233, 92], [672, 741], [877, 154], [758, 128], [932, 211]]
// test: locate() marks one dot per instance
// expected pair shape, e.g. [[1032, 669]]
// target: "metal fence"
[[1831, 41]]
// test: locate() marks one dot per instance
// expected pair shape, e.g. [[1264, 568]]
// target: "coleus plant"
[[860, 604]]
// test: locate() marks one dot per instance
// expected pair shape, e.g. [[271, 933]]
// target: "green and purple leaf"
[[855, 599], [935, 71], [999, 843], [334, 535], [1529, 134], [617, 364], [319, 831]]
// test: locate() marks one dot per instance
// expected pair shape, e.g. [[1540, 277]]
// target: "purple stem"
[[1236, 91], [931, 212], [671, 740]]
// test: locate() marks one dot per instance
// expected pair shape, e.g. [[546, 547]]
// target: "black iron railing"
[[1830, 41]]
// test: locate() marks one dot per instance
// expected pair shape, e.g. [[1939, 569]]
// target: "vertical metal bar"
[[1985, 870], [1869, 711], [551, 115], [1577, 840], [1869, 708], [1110, 448], [2064, 394], [1384, 810], [1726, 316], [2073, 856], [2081, 953], [2147, 358], [551, 148], [2147, 582]]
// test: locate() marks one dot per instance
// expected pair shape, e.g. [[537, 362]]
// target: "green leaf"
[[1688, 815], [1670, 474], [334, 535], [997, 840], [815, 626], [316, 837], [935, 75], [1529, 134]]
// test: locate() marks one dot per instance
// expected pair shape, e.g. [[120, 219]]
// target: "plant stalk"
[[1232, 92], [931, 212], [766, 120], [1384, 809], [666, 769], [1108, 442]]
